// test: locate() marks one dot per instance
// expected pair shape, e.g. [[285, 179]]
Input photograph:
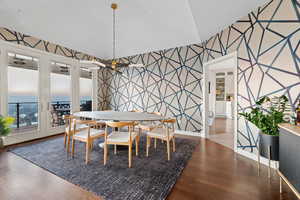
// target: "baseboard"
[[189, 133], [254, 157], [16, 139]]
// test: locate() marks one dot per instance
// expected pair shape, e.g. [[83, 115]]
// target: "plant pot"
[[266, 141]]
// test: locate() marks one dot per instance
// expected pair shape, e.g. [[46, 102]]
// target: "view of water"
[[25, 109]]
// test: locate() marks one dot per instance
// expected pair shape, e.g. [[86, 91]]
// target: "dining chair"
[[86, 135], [120, 137], [149, 126], [165, 133], [136, 111], [101, 123], [69, 130]]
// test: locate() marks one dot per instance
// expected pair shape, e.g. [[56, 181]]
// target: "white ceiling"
[[142, 25]]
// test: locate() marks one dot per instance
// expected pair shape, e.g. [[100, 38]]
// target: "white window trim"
[[45, 59]]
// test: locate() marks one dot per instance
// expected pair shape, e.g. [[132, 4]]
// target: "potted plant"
[[266, 115], [5, 123]]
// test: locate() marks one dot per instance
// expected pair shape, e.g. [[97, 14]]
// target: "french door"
[[63, 93], [37, 88]]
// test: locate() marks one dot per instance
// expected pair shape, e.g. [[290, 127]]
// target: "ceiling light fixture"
[[113, 64]]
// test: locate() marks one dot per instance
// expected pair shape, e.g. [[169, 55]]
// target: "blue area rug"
[[149, 178]]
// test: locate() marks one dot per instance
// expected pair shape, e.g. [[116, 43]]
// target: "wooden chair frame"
[[68, 132], [166, 137], [150, 129], [89, 140], [118, 125]]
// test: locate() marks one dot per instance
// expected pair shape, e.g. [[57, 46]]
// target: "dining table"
[[119, 116]]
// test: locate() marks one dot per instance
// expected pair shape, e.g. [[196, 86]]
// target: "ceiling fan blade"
[[92, 62], [136, 65], [114, 70], [122, 64]]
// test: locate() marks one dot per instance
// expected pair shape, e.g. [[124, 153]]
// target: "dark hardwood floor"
[[221, 126], [214, 172]]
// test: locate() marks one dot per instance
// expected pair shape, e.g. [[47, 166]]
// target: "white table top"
[[119, 116]]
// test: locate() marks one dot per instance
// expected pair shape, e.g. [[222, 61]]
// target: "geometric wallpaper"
[[268, 48], [29, 41], [170, 83]]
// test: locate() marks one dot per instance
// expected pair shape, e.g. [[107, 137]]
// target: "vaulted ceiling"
[[142, 25]]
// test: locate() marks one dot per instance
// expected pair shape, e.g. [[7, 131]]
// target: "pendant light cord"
[[114, 34]]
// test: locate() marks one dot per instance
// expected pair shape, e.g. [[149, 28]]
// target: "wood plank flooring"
[[214, 172], [222, 132]]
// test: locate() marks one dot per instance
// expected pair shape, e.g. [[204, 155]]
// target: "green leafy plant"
[[267, 114], [5, 123]]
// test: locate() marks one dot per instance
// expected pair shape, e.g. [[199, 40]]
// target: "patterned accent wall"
[[29, 41], [170, 84], [268, 47]]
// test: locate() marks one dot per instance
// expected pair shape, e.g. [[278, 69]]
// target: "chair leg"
[[129, 155], [137, 146], [105, 154], [87, 152], [65, 140], [73, 147], [92, 145], [115, 149], [168, 149], [174, 144], [68, 143], [155, 141]]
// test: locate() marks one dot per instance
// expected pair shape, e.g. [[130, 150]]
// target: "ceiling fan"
[[111, 64]]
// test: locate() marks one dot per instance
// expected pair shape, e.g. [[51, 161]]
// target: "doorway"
[[220, 100]]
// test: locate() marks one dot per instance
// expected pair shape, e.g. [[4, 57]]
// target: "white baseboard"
[[189, 133], [254, 157]]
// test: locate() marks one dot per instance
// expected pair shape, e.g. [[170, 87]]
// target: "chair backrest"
[[118, 125], [136, 111], [156, 113], [68, 121], [166, 123], [171, 120], [89, 123], [68, 117]]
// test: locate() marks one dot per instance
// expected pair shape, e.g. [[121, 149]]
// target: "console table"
[[289, 157]]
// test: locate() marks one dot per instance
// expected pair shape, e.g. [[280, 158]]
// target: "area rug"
[[150, 178]]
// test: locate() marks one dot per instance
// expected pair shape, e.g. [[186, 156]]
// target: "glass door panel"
[[220, 89], [85, 89], [23, 95], [60, 93]]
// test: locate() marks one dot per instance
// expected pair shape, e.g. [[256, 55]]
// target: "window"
[[60, 93], [85, 89], [23, 81]]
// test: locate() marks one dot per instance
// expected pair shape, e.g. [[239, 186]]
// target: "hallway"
[[222, 132]]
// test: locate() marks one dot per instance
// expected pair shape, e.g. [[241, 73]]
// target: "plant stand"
[[269, 157], [269, 160]]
